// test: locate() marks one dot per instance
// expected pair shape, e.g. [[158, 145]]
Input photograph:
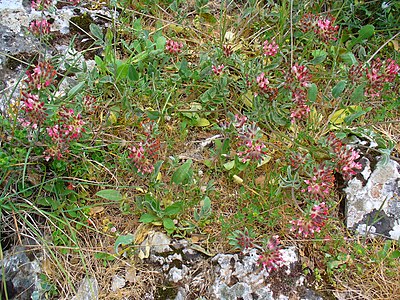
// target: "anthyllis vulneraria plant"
[[378, 74], [173, 47], [248, 137], [41, 4], [270, 48], [270, 256], [69, 128], [311, 223], [322, 26], [39, 27], [217, 70], [144, 154]]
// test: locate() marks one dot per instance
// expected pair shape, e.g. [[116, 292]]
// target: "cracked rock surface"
[[373, 200]]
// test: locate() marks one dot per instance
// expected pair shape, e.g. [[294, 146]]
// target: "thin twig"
[[381, 47]]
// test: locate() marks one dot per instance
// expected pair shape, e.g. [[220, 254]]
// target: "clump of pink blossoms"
[[41, 4], [141, 162], [35, 112], [264, 86], [271, 259], [376, 75], [173, 47], [321, 183], [218, 69], [39, 27], [322, 26], [312, 223], [302, 74], [68, 129], [252, 148], [41, 77], [145, 153], [301, 109], [270, 48], [344, 157]]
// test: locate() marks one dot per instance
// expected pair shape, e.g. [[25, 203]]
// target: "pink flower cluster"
[[68, 129], [42, 76], [35, 112], [263, 82], [227, 49], [271, 259], [264, 86], [253, 149], [38, 79], [344, 157], [300, 109], [243, 240], [312, 223], [39, 28], [145, 154], [302, 74], [141, 162], [218, 69], [41, 4], [321, 183], [378, 74], [322, 26], [173, 47], [270, 48]]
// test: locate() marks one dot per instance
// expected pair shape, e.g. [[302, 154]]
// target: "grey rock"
[[159, 243], [117, 283], [88, 289], [373, 204], [243, 278], [21, 274]]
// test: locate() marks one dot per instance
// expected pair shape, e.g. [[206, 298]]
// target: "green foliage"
[[157, 215]]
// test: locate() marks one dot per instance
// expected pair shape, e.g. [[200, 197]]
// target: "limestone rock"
[[373, 202], [88, 290], [21, 274]]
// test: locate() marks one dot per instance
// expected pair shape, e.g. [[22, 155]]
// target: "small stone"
[[117, 283], [88, 289], [159, 243]]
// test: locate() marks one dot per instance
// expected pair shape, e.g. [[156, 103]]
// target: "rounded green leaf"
[[111, 195]]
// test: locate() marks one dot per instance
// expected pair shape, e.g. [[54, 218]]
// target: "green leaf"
[[148, 218], [122, 70], [111, 195], [74, 90], [173, 209], [319, 56], [312, 92], [356, 114], [349, 58], [338, 88], [202, 122], [160, 42], [358, 94], [123, 240], [366, 32], [169, 224], [182, 174], [133, 75], [395, 254], [229, 165], [96, 31]]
